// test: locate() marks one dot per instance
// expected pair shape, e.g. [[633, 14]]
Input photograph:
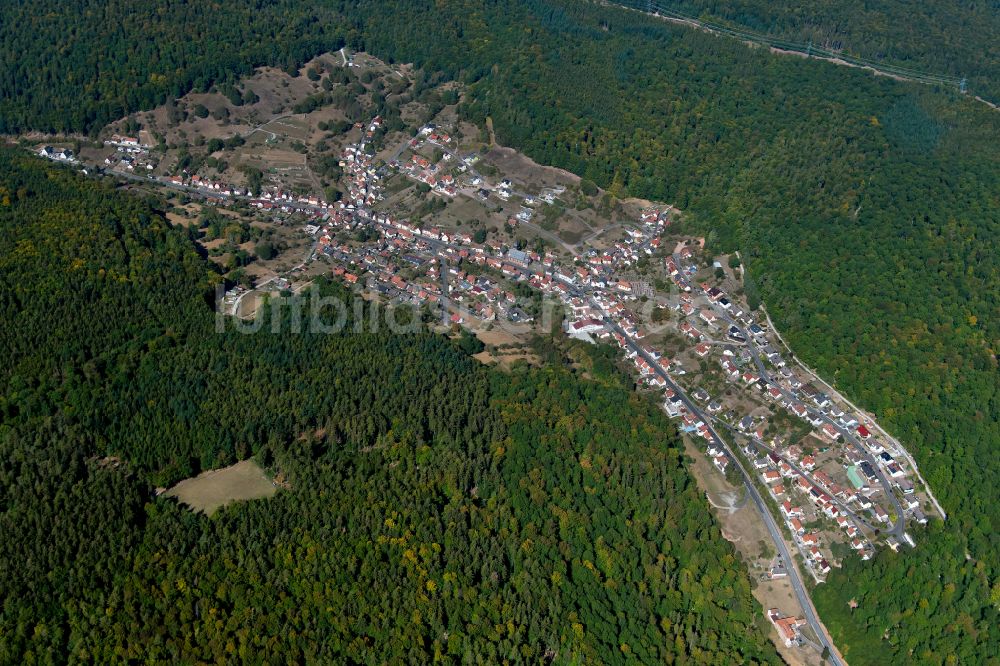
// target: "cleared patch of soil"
[[496, 337], [211, 490]]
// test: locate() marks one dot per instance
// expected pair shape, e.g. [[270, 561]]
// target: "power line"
[[809, 49]]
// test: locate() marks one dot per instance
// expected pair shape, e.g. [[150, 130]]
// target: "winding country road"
[[798, 586], [794, 577]]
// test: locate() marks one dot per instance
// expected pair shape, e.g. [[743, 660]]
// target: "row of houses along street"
[[416, 264], [839, 490], [841, 485], [869, 495]]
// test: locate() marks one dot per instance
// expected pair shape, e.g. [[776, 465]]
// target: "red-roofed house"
[[787, 627], [790, 511]]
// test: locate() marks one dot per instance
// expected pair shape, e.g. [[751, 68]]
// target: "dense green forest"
[[76, 65], [957, 39], [866, 209], [437, 509], [868, 216]]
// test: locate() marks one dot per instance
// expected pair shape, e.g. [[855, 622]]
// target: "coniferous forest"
[[434, 509], [866, 211]]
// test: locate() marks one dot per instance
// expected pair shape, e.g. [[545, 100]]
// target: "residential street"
[[899, 526], [800, 591], [598, 287]]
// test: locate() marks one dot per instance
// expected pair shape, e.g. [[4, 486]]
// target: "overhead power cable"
[[809, 49]]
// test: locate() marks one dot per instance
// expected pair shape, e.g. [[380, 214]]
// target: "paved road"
[[400, 149], [791, 463], [873, 424], [277, 276], [775, 533], [445, 290], [569, 247], [800, 50], [801, 594], [899, 527], [597, 232]]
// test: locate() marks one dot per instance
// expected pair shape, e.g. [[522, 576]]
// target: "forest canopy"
[[431, 507], [954, 39], [865, 209]]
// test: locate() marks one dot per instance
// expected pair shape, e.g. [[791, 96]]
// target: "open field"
[[497, 336], [505, 347], [211, 490], [527, 173]]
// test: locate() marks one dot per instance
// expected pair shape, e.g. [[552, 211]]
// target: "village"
[[839, 490], [832, 480], [465, 232]]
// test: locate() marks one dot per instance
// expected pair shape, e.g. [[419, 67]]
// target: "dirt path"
[[489, 128], [730, 502]]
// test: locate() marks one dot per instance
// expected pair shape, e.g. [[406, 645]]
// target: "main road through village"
[[793, 575], [801, 594], [899, 526]]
